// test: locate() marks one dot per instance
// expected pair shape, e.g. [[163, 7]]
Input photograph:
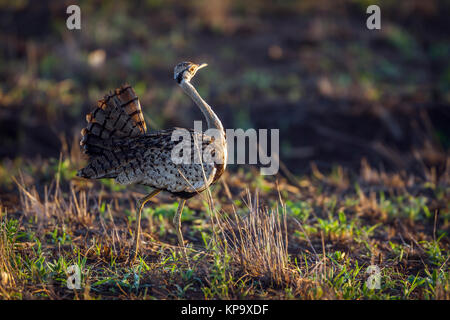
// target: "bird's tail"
[[117, 116]]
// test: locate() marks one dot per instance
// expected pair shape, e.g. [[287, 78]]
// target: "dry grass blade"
[[7, 278], [53, 204], [257, 241]]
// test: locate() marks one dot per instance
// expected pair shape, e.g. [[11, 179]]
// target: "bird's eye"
[[191, 69]]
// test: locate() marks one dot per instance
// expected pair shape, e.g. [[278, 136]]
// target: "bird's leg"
[[139, 206], [177, 223]]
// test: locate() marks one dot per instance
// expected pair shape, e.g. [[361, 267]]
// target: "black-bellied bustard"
[[119, 146]]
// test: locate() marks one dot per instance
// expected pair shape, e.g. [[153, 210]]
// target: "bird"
[[118, 146]]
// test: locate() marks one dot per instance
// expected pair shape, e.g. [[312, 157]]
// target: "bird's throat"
[[212, 119]]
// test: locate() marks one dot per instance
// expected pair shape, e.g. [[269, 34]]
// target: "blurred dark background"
[[337, 91]]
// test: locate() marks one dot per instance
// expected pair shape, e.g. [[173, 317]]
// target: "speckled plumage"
[[119, 147]]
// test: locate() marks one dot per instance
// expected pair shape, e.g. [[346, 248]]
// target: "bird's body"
[[152, 165], [119, 146]]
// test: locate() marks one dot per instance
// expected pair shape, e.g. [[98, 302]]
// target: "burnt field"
[[364, 174]]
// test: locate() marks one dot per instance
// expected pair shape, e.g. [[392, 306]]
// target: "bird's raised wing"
[[117, 115]]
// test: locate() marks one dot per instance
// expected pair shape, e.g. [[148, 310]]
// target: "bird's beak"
[[202, 66]]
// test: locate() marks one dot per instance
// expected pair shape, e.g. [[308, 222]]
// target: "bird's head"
[[186, 71]]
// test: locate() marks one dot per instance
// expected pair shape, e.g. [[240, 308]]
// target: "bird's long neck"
[[212, 119]]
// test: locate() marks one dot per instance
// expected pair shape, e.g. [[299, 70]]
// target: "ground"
[[257, 239]]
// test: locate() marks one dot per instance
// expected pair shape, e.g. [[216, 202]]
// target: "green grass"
[[321, 240]]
